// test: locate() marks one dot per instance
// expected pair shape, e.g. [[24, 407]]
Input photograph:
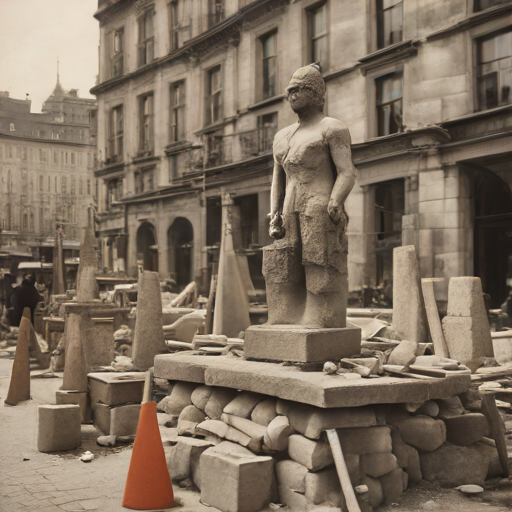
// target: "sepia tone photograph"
[[256, 255]]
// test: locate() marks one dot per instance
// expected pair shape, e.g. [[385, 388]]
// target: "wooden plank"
[[492, 414], [434, 323]]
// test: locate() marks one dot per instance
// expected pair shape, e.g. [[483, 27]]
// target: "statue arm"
[[339, 143], [277, 193]]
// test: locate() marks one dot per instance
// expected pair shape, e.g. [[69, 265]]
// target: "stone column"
[[58, 285], [76, 367], [149, 335], [87, 285]]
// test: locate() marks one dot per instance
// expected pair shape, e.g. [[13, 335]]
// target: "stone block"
[[422, 432], [494, 468], [324, 487], [181, 396], [314, 455], [80, 399], [466, 429], [116, 388], [183, 461], [465, 297], [468, 339], [451, 465], [449, 407], [217, 401], [224, 431], [292, 475], [243, 404], [312, 421], [191, 413], [375, 493], [293, 343], [404, 354], [359, 441], [407, 457], [392, 485], [201, 395], [294, 500], [264, 412], [235, 482], [277, 434], [409, 317], [121, 420], [246, 426], [378, 464], [58, 427]]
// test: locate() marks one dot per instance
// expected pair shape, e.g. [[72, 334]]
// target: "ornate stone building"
[[190, 95], [46, 167]]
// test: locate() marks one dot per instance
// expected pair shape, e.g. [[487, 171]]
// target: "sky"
[[34, 34]]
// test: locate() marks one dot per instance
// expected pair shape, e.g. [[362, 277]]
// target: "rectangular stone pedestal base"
[[299, 344], [76, 398]]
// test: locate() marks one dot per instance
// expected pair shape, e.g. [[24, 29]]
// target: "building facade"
[[191, 93], [46, 167]]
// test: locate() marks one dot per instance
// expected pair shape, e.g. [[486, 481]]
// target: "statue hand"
[[276, 228], [337, 214]]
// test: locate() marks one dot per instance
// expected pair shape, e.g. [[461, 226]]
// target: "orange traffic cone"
[[148, 485], [19, 387]]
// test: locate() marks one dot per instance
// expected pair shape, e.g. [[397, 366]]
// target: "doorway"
[[180, 240], [147, 250]]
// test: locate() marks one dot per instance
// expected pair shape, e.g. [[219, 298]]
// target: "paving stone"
[[466, 429], [451, 465], [422, 432], [183, 461], [116, 388], [243, 404], [201, 395], [324, 487], [292, 475], [235, 482], [392, 485], [378, 464], [58, 427], [180, 397], [312, 421], [264, 412], [117, 421], [375, 493], [365, 440], [314, 455], [217, 401]]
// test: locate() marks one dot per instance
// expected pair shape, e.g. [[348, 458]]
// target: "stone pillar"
[[409, 318], [87, 285], [148, 339], [76, 367], [58, 285]]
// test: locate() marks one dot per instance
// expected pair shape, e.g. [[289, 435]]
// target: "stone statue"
[[305, 268]]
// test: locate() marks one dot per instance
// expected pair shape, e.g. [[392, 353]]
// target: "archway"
[[180, 239], [147, 250], [493, 233]]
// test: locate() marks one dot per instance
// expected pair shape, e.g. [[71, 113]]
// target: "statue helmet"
[[309, 77]]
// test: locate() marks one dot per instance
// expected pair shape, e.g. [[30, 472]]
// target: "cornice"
[[389, 55]]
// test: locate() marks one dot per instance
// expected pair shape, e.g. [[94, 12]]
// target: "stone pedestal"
[[300, 344]]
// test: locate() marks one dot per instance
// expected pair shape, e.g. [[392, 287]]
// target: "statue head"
[[306, 88]]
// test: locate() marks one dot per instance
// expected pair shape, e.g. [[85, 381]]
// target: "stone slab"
[[72, 398], [116, 421], [299, 344], [116, 388], [313, 388]]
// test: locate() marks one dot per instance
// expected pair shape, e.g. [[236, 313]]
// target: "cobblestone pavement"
[[60, 481]]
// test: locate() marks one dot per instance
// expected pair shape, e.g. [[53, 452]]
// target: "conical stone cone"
[[87, 285], [19, 387], [231, 313], [148, 340], [76, 367]]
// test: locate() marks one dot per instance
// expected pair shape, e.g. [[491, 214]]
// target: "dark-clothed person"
[[24, 296]]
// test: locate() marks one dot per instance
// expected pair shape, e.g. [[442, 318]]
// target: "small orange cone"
[[19, 387], [148, 485]]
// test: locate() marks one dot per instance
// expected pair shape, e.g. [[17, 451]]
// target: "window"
[[10, 151], [178, 100], [389, 22], [24, 154], [12, 128], [80, 159], [55, 157], [117, 53], [49, 186], [66, 157], [116, 131], [25, 221], [63, 185], [88, 187], [146, 122], [41, 183], [32, 224], [114, 191], [32, 155], [317, 28], [214, 96], [494, 71], [146, 38], [81, 187], [72, 158], [174, 24], [89, 159], [18, 152], [40, 155], [389, 103], [269, 64], [481, 5], [173, 168], [267, 129], [215, 12], [55, 182], [144, 181], [73, 185]]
